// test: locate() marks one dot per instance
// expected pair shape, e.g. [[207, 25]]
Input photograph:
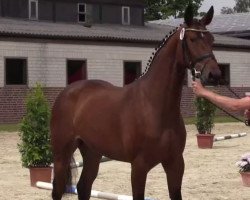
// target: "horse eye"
[[194, 39]]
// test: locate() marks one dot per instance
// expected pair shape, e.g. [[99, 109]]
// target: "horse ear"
[[206, 20], [189, 15]]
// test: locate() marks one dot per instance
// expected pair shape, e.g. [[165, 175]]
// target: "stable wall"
[[46, 62]]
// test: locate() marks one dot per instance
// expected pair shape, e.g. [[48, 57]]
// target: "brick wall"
[[12, 100], [46, 61], [12, 104]]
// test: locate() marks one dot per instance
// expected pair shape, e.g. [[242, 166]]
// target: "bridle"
[[186, 54], [198, 74]]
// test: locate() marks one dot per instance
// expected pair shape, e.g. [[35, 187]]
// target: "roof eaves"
[[231, 46], [84, 38], [233, 33], [104, 39]]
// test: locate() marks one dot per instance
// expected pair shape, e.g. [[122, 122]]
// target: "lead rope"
[[196, 74], [233, 92], [247, 122]]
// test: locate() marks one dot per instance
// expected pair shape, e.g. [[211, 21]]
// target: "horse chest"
[[168, 140]]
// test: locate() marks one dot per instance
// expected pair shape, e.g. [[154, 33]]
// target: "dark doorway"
[[225, 74], [76, 70], [132, 71], [15, 71]]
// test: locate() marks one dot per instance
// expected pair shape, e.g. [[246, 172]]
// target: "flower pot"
[[245, 176], [205, 141], [43, 174]]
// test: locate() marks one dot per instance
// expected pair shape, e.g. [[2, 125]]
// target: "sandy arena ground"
[[210, 174]]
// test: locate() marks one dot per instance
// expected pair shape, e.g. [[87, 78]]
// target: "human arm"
[[219, 100]]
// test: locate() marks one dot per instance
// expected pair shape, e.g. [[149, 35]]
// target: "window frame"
[[81, 13], [36, 17], [26, 71], [123, 12]]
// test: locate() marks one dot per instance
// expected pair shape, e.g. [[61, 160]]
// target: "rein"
[[246, 122]]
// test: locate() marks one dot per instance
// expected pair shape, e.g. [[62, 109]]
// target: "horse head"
[[196, 45]]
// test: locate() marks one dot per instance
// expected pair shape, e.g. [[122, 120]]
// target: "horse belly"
[[99, 128]]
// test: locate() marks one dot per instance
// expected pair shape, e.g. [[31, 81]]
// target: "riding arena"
[[209, 173], [131, 143]]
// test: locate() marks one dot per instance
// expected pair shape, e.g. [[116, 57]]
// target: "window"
[[81, 12], [76, 70], [132, 70], [33, 9], [15, 71], [125, 15], [225, 74]]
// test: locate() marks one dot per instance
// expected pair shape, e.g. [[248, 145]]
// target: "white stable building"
[[58, 52]]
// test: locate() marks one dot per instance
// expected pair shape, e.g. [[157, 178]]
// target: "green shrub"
[[205, 113], [34, 133]]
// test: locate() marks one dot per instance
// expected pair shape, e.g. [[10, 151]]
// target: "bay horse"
[[139, 123]]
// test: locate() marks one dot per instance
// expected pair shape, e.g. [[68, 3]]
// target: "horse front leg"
[[174, 171], [138, 178], [90, 169]]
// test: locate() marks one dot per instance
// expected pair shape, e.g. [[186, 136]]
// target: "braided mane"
[[157, 50]]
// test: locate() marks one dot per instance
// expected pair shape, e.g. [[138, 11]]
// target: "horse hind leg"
[[91, 162], [62, 170]]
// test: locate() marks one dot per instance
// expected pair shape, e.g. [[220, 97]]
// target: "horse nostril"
[[214, 76], [213, 79], [210, 76]]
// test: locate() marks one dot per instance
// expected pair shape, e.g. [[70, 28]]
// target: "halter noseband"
[[186, 53]]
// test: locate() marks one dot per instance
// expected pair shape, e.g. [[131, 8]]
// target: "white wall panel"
[[47, 61]]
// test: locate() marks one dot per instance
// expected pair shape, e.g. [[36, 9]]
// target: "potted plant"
[[244, 165], [205, 113], [34, 135]]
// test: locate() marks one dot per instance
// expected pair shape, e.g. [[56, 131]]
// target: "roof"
[[106, 32], [148, 34], [227, 23]]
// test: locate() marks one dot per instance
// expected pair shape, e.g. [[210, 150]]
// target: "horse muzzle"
[[212, 75]]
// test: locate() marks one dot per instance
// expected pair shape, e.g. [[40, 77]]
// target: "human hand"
[[247, 113], [198, 89]]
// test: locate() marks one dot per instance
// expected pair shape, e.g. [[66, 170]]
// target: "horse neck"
[[164, 79]]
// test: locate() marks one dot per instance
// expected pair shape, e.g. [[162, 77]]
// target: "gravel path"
[[210, 174]]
